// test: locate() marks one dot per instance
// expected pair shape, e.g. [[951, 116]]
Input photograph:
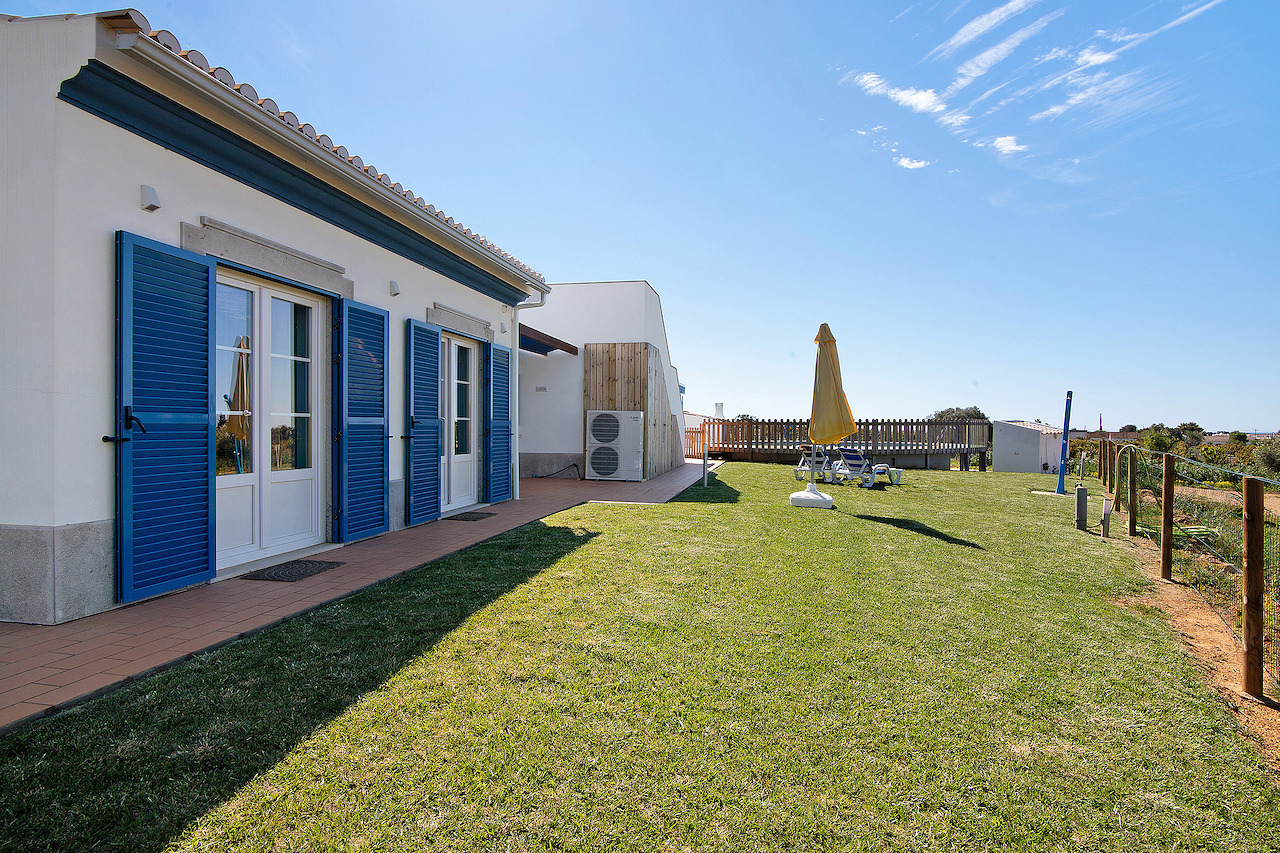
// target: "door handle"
[[130, 419]]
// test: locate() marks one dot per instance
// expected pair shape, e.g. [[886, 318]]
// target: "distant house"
[[598, 347], [1027, 446], [1095, 435], [224, 339]]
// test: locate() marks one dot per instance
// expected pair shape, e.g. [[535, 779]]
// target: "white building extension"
[[607, 350]]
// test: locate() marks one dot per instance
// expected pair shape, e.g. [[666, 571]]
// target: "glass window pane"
[[290, 443], [233, 397], [302, 331], [464, 401], [302, 387], [463, 372], [281, 385], [235, 315], [462, 437], [290, 324]]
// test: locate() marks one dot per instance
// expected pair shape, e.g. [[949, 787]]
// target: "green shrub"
[[1213, 454], [1266, 455]]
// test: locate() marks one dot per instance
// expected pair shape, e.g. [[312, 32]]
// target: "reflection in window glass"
[[290, 443], [462, 437], [233, 362]]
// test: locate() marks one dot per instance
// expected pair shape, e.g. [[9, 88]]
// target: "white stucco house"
[[598, 347], [224, 339]]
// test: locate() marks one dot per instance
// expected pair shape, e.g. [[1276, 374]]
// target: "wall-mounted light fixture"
[[395, 288], [502, 327], [150, 199]]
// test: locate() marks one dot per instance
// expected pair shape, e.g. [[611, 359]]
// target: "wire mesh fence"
[[1208, 535]]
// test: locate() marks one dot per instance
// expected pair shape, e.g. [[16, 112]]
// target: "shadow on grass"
[[912, 526], [716, 492], [132, 769]]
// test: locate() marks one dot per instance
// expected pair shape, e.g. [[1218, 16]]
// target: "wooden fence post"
[[1133, 492], [1252, 587], [1166, 520], [1113, 468]]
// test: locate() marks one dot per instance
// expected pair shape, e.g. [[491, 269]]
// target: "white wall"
[[580, 313], [551, 419], [1016, 448]]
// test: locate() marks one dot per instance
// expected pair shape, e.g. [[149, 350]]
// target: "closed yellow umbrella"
[[831, 419], [238, 401]]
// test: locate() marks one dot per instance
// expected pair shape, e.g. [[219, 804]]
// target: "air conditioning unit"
[[615, 445]]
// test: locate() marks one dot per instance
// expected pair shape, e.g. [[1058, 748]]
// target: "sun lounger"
[[822, 469], [853, 465]]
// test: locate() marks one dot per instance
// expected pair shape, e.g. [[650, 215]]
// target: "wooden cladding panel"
[[629, 377], [615, 377]]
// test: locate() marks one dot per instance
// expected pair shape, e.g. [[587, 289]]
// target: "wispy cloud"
[[908, 163], [903, 12], [989, 58], [290, 44], [1103, 90], [1007, 145], [1135, 39], [919, 100], [1112, 98], [979, 26]]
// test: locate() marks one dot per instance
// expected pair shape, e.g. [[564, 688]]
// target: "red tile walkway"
[[46, 667]]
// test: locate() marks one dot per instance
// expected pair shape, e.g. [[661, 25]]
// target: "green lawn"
[[934, 665]]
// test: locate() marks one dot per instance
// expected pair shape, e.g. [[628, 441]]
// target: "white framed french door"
[[268, 399], [460, 392]]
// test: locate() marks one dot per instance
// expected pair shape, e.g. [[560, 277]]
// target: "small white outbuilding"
[[1026, 446]]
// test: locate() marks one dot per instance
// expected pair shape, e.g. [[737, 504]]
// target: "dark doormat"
[[470, 516], [294, 570]]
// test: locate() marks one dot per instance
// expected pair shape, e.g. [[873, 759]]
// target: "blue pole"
[[1066, 443]]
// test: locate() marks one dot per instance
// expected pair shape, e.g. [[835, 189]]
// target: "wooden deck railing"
[[874, 436]]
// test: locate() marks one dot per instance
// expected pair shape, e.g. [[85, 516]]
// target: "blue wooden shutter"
[[499, 424], [423, 425], [164, 419], [362, 483]]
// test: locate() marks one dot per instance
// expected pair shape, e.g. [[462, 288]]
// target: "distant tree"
[[746, 418], [1156, 438], [1237, 437], [1190, 433], [955, 414], [1129, 428]]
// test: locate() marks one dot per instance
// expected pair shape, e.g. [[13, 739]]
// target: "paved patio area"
[[46, 667]]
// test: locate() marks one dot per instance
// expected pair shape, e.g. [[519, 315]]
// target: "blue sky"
[[989, 202]]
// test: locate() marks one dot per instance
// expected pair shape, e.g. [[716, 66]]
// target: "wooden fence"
[[766, 439], [1250, 574]]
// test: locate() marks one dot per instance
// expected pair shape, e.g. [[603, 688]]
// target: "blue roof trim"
[[126, 103]]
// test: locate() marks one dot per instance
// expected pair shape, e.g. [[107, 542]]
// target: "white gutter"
[[151, 54], [543, 290]]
